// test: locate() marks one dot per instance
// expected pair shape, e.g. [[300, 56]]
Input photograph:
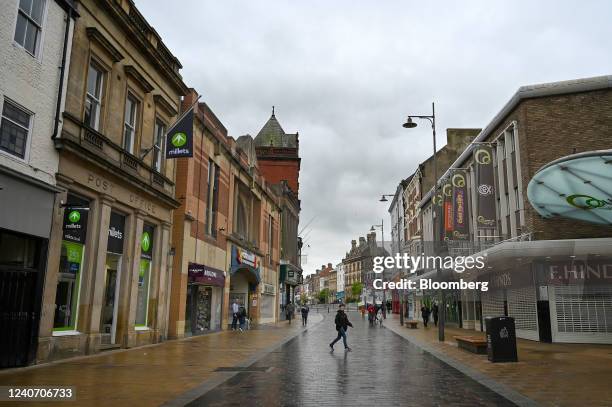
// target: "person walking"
[[235, 311], [342, 324], [289, 311], [425, 315], [242, 314], [434, 311], [305, 310], [371, 314]]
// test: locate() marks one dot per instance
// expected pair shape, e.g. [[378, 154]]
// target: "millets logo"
[[588, 202]]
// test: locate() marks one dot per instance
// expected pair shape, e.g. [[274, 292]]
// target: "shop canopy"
[[578, 186]]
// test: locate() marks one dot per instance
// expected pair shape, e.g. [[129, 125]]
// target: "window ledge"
[[66, 333], [142, 328]]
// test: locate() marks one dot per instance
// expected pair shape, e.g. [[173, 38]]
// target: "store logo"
[[145, 241], [458, 181], [485, 189], [179, 139], [117, 234], [446, 189], [482, 157], [74, 216], [587, 202]]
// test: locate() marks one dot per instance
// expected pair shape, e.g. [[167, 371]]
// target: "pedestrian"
[[242, 314], [342, 324], [425, 315], [289, 311], [371, 314], [305, 310], [389, 307], [235, 311], [434, 311]]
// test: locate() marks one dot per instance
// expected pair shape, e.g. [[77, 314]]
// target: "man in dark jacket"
[[425, 315], [342, 323], [305, 310], [434, 311]]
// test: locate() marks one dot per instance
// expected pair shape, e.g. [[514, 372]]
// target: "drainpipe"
[[62, 68]]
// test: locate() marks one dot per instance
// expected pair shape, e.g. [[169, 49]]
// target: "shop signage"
[[201, 274], [575, 187], [576, 272], [75, 224], [485, 187], [509, 278], [245, 260], [438, 212], [146, 242], [460, 212], [268, 289], [116, 233], [179, 139], [447, 192]]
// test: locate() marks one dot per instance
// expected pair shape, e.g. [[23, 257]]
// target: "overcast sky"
[[346, 73]]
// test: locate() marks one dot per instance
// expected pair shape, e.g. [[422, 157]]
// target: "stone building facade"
[[109, 267]]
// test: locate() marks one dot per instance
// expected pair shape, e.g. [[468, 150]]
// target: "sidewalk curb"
[[499, 388], [221, 377]]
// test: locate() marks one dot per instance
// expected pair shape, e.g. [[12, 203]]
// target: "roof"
[[527, 92], [273, 135]]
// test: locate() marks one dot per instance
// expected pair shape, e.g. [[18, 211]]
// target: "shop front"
[[107, 283], [26, 208], [204, 299], [245, 278]]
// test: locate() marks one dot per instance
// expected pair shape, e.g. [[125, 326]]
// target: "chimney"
[[361, 240], [329, 265], [323, 267], [353, 244], [189, 99], [372, 239]]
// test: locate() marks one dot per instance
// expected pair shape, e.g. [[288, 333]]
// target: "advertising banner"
[[438, 211], [460, 209], [75, 224], [146, 242], [116, 233], [179, 139], [485, 187], [447, 192]]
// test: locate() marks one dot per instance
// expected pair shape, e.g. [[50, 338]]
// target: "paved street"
[[383, 369]]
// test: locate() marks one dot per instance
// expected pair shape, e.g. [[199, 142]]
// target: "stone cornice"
[[133, 73], [95, 35]]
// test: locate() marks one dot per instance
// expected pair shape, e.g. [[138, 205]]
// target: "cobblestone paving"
[[382, 370]]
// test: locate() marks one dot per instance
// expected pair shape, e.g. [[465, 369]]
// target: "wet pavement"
[[383, 369]]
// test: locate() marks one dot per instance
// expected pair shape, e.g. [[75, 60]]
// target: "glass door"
[[108, 322]]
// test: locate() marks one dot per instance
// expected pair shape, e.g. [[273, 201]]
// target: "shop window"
[[29, 25], [158, 145], [93, 98], [144, 275], [71, 263], [131, 114], [14, 129]]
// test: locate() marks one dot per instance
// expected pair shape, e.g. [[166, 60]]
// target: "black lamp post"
[[410, 125]]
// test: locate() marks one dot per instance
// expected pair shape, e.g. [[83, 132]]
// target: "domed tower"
[[278, 154]]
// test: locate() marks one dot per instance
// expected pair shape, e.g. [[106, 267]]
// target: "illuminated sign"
[[578, 186]]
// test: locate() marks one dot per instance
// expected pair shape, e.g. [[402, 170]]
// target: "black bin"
[[501, 339]]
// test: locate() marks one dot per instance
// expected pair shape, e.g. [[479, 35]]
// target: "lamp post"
[[382, 238], [410, 125], [397, 229]]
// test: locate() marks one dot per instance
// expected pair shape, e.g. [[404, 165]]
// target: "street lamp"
[[397, 228], [382, 238], [410, 124]]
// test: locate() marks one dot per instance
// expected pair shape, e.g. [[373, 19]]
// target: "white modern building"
[[35, 42], [340, 295]]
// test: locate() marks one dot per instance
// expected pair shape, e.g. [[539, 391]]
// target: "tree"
[[356, 289], [303, 298], [324, 295]]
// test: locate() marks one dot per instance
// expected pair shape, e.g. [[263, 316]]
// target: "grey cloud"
[[345, 73]]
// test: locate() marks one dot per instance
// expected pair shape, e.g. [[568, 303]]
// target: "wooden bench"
[[472, 344], [411, 324]]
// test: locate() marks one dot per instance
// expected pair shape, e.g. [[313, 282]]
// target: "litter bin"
[[501, 339]]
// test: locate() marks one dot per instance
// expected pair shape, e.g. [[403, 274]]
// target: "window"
[[14, 129], [212, 199], [158, 145], [270, 236], [29, 24], [93, 99], [131, 113]]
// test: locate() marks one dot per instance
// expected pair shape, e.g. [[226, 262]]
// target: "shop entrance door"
[[108, 322], [21, 279]]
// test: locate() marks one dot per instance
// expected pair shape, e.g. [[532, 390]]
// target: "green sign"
[[179, 139], [145, 242], [74, 216]]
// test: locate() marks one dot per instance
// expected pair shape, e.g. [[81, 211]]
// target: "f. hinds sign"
[[577, 272]]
